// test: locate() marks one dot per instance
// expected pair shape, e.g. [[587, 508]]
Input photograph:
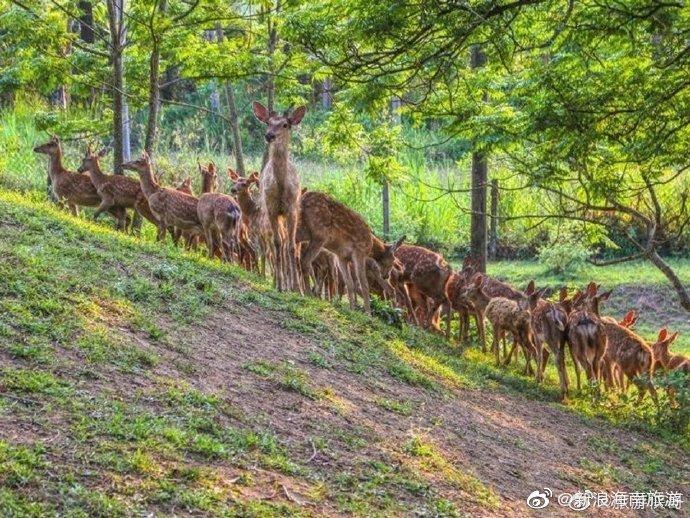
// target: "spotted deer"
[[663, 359], [172, 208], [280, 193], [256, 228], [628, 356], [550, 324], [69, 188], [427, 274], [327, 223], [114, 190], [586, 332], [514, 316], [220, 216]]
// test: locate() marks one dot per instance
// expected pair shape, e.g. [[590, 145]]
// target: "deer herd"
[[317, 245]]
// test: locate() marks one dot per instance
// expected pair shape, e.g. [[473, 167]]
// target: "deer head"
[[279, 126], [241, 184], [209, 178], [387, 259], [140, 165], [90, 160], [52, 147], [662, 344]]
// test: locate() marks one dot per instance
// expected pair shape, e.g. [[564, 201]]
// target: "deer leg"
[[349, 285], [208, 232], [576, 367], [74, 210], [295, 274], [359, 266], [495, 345], [162, 229], [310, 252]]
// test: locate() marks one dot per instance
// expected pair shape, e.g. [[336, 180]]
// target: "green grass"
[[83, 309], [520, 273]]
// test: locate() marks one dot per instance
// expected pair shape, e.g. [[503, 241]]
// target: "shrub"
[[564, 258]]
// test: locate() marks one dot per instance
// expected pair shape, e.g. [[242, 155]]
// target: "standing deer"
[[627, 355], [254, 221], [220, 217], [114, 190], [280, 193], [427, 273], [172, 208], [586, 332], [508, 315], [550, 321], [327, 223], [70, 188]]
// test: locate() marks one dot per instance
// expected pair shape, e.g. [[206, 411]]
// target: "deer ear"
[[103, 152], [563, 294], [254, 177], [398, 243], [662, 335], [673, 337], [530, 288], [233, 175], [591, 290], [260, 112], [297, 115], [212, 167]]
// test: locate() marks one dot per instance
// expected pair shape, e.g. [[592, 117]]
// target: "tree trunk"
[[116, 25], [234, 119], [326, 97], [154, 99], [270, 79], [479, 181], [385, 205], [493, 229], [235, 128], [683, 296]]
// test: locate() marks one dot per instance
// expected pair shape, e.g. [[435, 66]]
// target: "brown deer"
[[457, 285], [71, 189], [280, 194], [220, 216], [114, 190], [256, 228], [473, 297], [171, 208], [664, 359], [507, 315], [586, 332], [327, 223], [427, 273], [627, 355], [550, 321]]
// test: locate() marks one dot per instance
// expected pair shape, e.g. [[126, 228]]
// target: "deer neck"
[[378, 248], [96, 173], [207, 184], [279, 156], [55, 168], [661, 354], [148, 184], [247, 204]]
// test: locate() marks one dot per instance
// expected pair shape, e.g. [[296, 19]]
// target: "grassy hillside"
[[137, 379]]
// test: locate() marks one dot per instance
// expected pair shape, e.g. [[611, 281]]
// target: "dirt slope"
[[227, 399]]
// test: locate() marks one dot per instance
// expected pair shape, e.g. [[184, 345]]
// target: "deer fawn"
[[172, 208], [72, 189], [627, 355], [220, 217], [427, 273], [662, 356], [327, 223], [114, 190], [280, 193], [549, 321], [254, 221], [586, 332], [507, 315]]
